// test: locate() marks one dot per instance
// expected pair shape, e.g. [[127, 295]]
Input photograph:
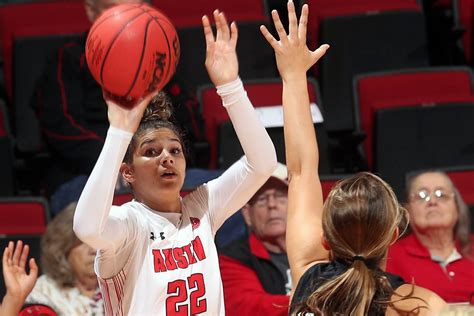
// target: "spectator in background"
[[254, 269], [73, 114], [69, 284], [438, 254], [17, 281]]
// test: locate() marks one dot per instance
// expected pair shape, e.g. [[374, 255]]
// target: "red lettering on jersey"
[[198, 248], [181, 260], [178, 258], [158, 261], [169, 260], [189, 253]]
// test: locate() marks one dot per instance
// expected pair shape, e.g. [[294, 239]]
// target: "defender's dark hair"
[[360, 217]]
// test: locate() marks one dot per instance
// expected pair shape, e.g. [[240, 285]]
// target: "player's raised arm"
[[237, 185], [305, 201]]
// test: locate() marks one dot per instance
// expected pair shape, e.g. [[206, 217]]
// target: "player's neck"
[[165, 203]]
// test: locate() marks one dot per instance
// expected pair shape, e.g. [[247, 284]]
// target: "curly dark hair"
[[158, 114]]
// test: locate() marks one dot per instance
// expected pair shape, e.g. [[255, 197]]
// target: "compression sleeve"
[[92, 223], [238, 184]]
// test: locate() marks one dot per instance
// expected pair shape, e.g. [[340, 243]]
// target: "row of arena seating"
[[409, 119], [378, 95]]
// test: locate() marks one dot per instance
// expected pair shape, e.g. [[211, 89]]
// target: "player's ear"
[[127, 173]]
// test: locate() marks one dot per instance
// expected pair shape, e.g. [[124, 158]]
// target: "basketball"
[[132, 50]]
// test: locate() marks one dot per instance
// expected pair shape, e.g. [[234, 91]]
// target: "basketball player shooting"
[[156, 254]]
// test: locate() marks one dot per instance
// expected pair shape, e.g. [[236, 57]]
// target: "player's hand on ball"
[[221, 57], [126, 114]]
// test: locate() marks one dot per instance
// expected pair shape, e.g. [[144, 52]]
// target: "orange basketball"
[[132, 50]]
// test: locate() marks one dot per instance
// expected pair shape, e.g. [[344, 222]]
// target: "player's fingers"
[[292, 19], [218, 25], [279, 27], [24, 256], [234, 34], [269, 37], [303, 25], [33, 268], [17, 252], [318, 53], [6, 255], [224, 26], [208, 35]]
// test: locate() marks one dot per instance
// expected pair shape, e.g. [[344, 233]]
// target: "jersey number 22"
[[180, 289]]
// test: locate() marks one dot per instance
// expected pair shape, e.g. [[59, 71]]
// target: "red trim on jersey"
[[118, 282], [106, 296]]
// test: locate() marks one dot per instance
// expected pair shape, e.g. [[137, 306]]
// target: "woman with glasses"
[[438, 254]]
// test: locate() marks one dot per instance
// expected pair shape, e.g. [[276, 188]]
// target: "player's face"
[[267, 213], [81, 259], [158, 164], [431, 203]]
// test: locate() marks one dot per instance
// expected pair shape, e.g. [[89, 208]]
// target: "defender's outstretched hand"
[[292, 53], [221, 57], [18, 283]]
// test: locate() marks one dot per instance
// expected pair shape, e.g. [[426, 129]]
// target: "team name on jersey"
[[179, 257]]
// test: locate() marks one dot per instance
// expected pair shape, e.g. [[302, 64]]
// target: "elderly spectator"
[[69, 284], [255, 270], [438, 254]]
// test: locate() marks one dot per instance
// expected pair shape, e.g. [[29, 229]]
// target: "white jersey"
[[174, 250], [153, 263]]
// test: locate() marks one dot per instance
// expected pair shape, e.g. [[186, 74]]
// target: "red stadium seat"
[[420, 137], [383, 90], [262, 93], [463, 179], [190, 14], [23, 215], [322, 9], [31, 31], [362, 34], [37, 18]]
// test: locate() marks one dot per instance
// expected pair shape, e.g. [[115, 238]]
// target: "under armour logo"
[[152, 235]]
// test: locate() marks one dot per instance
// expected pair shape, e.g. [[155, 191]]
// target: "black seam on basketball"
[[141, 58], [167, 44], [112, 44], [112, 15]]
